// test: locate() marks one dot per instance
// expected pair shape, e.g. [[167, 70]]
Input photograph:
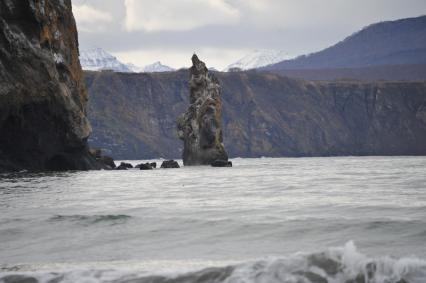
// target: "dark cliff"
[[43, 125], [134, 115]]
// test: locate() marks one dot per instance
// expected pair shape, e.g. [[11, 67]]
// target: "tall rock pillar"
[[200, 127]]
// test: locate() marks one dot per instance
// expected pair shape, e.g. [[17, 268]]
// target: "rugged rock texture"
[[43, 125], [200, 127], [133, 115]]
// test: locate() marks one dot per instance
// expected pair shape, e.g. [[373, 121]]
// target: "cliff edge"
[[43, 124]]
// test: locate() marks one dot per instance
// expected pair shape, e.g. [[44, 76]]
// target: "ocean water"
[[343, 219]]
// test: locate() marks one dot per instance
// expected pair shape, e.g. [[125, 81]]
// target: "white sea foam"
[[334, 265]]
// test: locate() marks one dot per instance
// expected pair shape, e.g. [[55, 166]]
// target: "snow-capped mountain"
[[97, 59], [259, 58], [134, 68], [156, 67]]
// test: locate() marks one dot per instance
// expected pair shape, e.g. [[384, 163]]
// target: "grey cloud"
[[297, 27]]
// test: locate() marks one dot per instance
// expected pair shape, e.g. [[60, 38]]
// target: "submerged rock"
[[106, 161], [221, 163], [43, 124], [170, 164], [144, 166], [121, 167], [152, 165], [200, 127], [124, 166]]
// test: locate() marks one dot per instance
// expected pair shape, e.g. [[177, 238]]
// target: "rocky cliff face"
[[133, 115], [200, 127], [43, 124]]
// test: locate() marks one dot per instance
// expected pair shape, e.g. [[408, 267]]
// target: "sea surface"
[[335, 219]]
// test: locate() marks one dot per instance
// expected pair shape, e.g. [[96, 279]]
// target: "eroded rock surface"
[[43, 124], [200, 127]]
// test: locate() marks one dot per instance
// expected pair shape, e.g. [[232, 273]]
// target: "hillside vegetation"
[[134, 115]]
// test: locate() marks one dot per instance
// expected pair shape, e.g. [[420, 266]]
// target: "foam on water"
[[334, 265]]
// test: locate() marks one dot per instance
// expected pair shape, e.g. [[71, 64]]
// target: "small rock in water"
[[221, 163], [108, 161], [124, 166], [127, 165], [153, 164], [121, 167], [144, 166], [170, 164], [105, 161]]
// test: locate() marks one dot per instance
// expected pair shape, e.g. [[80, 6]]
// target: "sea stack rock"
[[200, 127], [43, 124]]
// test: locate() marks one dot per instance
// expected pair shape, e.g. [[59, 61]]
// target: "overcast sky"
[[222, 31]]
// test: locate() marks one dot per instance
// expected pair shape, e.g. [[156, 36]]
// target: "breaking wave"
[[335, 265]]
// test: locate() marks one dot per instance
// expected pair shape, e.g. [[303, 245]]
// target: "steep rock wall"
[[43, 124]]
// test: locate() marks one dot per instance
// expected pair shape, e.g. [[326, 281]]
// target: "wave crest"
[[335, 265]]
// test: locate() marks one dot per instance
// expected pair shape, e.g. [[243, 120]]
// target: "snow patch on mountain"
[[97, 59], [259, 58], [134, 68], [156, 67]]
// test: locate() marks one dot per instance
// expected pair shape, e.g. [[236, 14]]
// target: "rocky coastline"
[[44, 125]]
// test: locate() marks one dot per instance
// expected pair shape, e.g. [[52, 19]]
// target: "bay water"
[[332, 219]]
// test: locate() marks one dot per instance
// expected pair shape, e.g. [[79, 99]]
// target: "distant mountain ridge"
[[156, 67], [97, 59], [386, 43], [258, 58]]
